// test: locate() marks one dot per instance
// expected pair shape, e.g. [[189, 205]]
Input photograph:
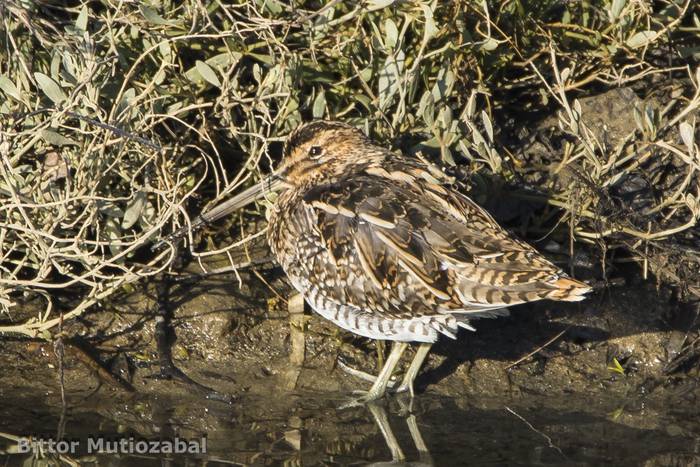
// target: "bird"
[[384, 245]]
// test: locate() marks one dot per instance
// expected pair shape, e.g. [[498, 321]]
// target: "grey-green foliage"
[[215, 83]]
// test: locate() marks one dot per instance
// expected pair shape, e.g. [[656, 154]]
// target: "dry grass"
[[118, 118]]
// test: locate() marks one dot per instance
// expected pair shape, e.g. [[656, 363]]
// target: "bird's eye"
[[316, 151]]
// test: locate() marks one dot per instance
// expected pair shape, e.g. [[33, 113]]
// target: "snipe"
[[380, 244]]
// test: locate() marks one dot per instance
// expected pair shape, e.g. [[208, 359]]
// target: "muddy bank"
[[623, 340], [569, 403]]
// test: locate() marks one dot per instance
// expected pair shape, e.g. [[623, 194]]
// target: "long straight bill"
[[269, 184]]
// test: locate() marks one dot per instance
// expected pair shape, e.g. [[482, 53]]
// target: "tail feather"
[[476, 296], [569, 290]]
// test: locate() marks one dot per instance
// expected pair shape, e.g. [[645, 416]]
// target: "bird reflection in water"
[[398, 457]]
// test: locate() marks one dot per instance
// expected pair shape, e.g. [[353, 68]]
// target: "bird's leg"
[[412, 422], [382, 421], [380, 353], [361, 374], [380, 346], [412, 372], [379, 387], [421, 447]]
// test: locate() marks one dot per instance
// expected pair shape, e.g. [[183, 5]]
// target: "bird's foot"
[[361, 398], [405, 387], [405, 402], [362, 375]]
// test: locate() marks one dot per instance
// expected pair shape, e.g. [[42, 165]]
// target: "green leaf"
[[616, 8], [687, 135], [641, 39], [321, 22], [366, 74], [489, 44], [445, 117], [273, 6], [446, 156], [487, 125], [319, 106], [617, 413], [616, 367], [174, 108], [166, 51], [688, 52], [392, 34], [112, 233], [208, 73], [578, 110], [109, 209], [82, 20], [133, 210], [433, 142], [220, 61], [153, 17], [9, 88], [388, 82], [471, 105], [50, 87], [124, 107], [566, 17], [431, 28], [478, 139], [443, 84], [373, 5], [565, 73], [56, 139], [669, 13], [364, 100], [426, 108]]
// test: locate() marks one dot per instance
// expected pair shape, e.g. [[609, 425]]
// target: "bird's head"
[[323, 151], [317, 152]]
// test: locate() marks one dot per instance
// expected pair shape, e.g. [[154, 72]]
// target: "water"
[[309, 429]]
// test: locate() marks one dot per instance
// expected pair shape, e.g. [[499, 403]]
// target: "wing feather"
[[455, 255]]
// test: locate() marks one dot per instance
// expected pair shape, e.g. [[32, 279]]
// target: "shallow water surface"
[[308, 429]]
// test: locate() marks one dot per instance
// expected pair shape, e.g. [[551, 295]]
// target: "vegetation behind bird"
[[217, 86]]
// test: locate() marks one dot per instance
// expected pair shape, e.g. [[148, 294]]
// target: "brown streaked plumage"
[[383, 246]]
